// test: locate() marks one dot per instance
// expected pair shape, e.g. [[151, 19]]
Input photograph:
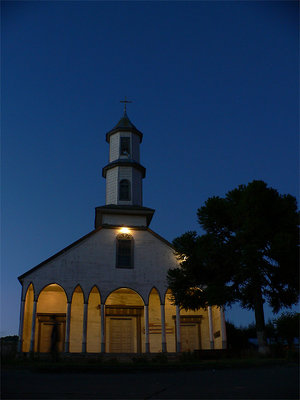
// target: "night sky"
[[214, 87]]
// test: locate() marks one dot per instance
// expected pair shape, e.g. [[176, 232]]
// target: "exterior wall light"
[[124, 230]]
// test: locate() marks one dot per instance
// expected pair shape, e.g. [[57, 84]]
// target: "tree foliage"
[[249, 252], [287, 327]]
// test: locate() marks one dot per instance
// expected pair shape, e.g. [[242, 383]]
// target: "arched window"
[[124, 251], [124, 192]]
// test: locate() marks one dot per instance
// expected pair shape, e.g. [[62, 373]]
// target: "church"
[[107, 292]]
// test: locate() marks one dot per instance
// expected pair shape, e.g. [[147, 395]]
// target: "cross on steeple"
[[125, 102]]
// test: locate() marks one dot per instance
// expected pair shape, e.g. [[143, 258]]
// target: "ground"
[[268, 382]]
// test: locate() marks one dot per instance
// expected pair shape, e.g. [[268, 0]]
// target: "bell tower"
[[124, 175]]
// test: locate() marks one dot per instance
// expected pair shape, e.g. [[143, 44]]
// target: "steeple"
[[125, 122], [124, 173]]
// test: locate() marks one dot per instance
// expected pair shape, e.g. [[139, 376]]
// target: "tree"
[[248, 254], [287, 327], [237, 339]]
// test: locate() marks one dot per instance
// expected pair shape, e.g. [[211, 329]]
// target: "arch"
[[26, 289], [124, 190], [76, 288], [168, 292], [76, 320], [170, 321], [93, 289], [51, 315], [155, 288], [122, 288], [155, 321], [50, 285], [94, 321], [28, 309], [125, 321]]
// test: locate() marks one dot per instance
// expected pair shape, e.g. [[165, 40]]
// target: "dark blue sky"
[[214, 88]]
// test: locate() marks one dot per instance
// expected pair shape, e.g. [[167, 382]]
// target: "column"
[[33, 326], [21, 323], [163, 329], [146, 316], [84, 330], [223, 329], [178, 343], [102, 328], [211, 328], [68, 323]]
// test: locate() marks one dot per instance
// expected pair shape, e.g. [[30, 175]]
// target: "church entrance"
[[122, 335], [189, 337], [50, 319], [51, 332], [123, 329], [190, 333], [124, 322]]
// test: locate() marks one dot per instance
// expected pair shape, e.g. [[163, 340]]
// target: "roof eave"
[[124, 129]]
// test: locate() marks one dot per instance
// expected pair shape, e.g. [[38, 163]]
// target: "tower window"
[[124, 251], [125, 146], [124, 193]]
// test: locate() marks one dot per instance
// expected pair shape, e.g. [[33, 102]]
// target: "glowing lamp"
[[124, 230]]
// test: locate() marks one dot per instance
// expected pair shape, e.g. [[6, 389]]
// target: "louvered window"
[[125, 146]]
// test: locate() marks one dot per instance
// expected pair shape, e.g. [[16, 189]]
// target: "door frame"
[[189, 319], [127, 311], [46, 317]]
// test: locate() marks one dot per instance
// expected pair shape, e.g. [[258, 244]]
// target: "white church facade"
[[108, 292]]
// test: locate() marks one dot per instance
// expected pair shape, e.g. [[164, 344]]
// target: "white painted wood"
[[163, 328], [178, 341], [146, 317], [97, 255], [21, 323], [33, 326], [114, 145], [68, 321], [112, 186], [92, 261], [137, 191], [103, 328], [84, 327], [211, 329], [124, 220]]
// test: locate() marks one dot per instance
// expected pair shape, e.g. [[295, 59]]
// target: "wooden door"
[[46, 325], [122, 335], [189, 336]]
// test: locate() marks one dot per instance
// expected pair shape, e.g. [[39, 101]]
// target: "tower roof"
[[125, 122], [124, 125]]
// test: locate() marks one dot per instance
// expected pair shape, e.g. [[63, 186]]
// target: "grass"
[[157, 363]]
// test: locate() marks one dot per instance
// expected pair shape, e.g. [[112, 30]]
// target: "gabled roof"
[[86, 237]]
